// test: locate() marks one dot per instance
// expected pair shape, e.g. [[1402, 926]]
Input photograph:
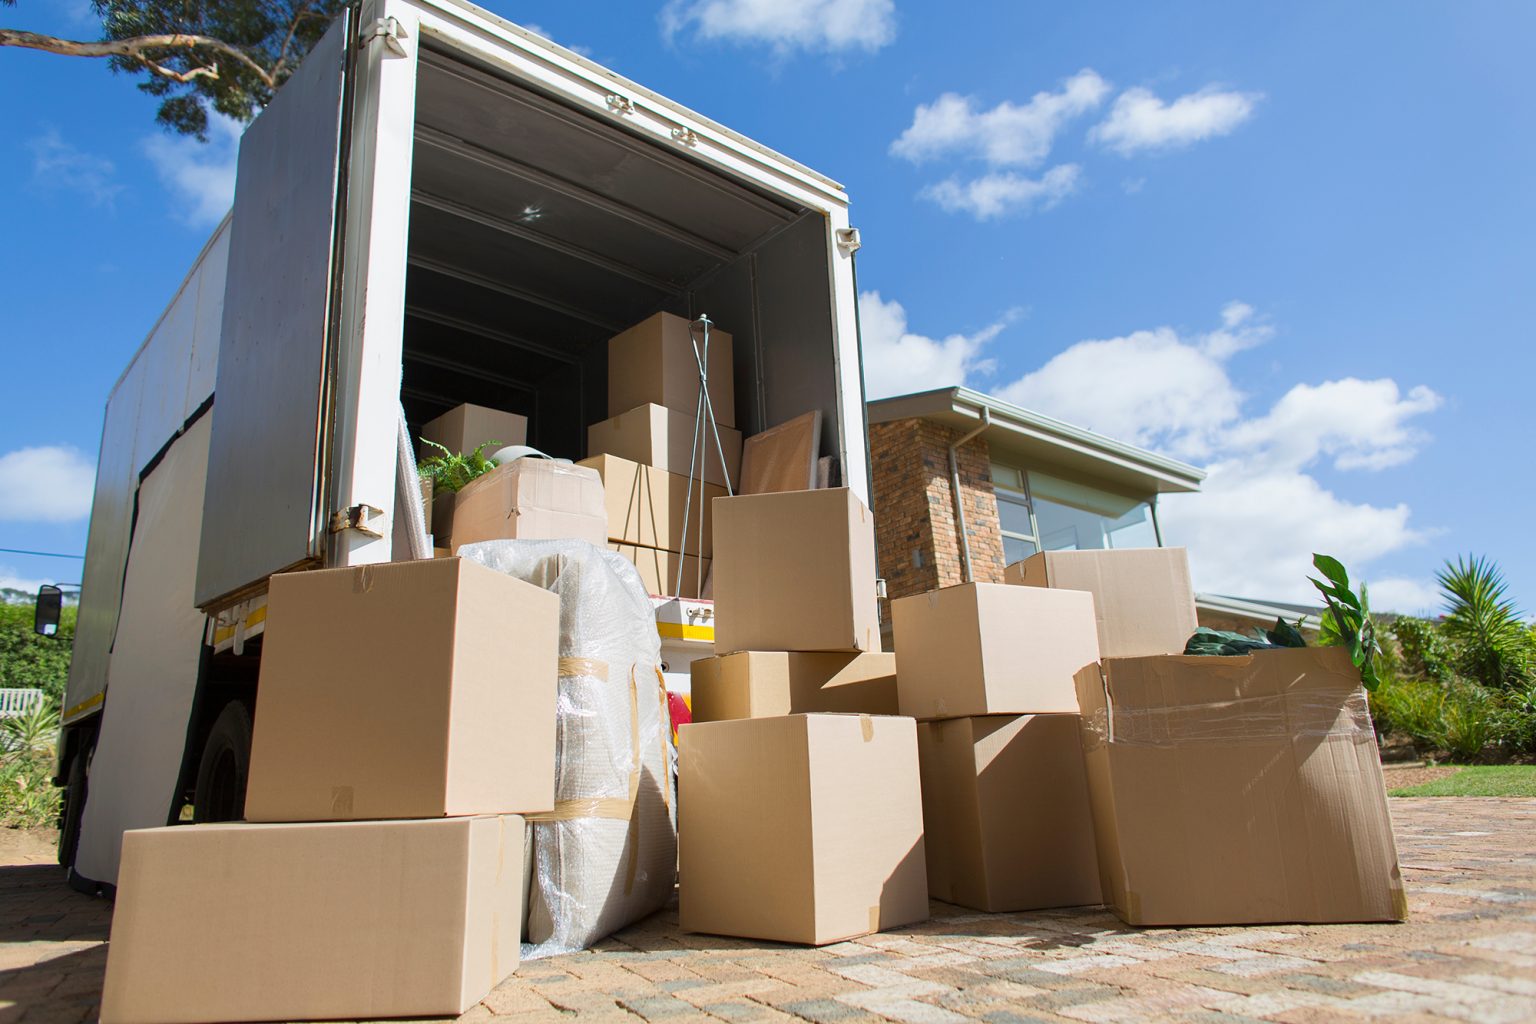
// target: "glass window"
[[1013, 513], [1076, 517], [1016, 549]]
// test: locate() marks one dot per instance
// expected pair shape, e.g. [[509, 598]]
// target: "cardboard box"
[[795, 571], [314, 921], [762, 684], [1006, 823], [992, 649], [1242, 790], [404, 690], [658, 570], [806, 828], [646, 506], [654, 363], [654, 435], [531, 499], [466, 427], [1141, 596]]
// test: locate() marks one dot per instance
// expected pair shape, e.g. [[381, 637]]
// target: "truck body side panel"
[[169, 378], [264, 494]]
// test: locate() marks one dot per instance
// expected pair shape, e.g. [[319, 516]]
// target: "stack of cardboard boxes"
[[1070, 754], [529, 498], [644, 450], [797, 824], [989, 668], [407, 722]]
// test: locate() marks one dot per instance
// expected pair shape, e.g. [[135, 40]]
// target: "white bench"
[[17, 702]]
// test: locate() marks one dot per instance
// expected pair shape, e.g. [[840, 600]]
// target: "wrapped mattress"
[[606, 855]]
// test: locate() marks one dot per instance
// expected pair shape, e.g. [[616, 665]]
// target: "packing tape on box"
[[1303, 713], [583, 667]]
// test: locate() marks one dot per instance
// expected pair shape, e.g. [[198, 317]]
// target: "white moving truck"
[[438, 208]]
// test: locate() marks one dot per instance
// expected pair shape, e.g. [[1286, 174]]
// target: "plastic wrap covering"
[[1302, 714], [410, 524], [607, 854]]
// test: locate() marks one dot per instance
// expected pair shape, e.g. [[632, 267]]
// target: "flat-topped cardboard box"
[[763, 684], [464, 428], [526, 499], [654, 363], [313, 921], [803, 828], [992, 649], [1005, 813], [795, 571], [404, 690], [654, 435], [646, 506], [1238, 790], [1142, 598]]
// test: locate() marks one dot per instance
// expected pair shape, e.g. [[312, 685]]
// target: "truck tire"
[[72, 809], [224, 766]]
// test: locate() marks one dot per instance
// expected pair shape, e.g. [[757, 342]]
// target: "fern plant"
[[450, 471]]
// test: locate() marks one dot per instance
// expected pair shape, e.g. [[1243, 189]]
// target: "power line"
[[40, 554]]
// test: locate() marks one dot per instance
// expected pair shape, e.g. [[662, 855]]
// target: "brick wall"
[[915, 512]]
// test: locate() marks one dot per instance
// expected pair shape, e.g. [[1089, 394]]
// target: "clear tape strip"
[[1243, 719]]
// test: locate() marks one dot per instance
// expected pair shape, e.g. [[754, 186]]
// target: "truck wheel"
[[72, 810], [225, 764]]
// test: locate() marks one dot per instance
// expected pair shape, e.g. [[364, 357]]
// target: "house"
[[964, 484]]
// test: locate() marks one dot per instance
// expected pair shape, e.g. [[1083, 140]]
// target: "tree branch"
[[135, 48]]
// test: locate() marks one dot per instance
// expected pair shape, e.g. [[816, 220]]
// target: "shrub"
[[1423, 648], [29, 661], [1492, 645], [28, 798]]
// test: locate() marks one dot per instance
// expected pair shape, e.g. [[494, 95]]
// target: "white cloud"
[[11, 579], [1253, 527], [1406, 596], [787, 25], [50, 484], [997, 195], [1008, 135], [897, 362], [58, 164], [200, 176], [1140, 120], [539, 30]]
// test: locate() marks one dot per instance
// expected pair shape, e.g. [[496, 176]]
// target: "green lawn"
[[1481, 780]]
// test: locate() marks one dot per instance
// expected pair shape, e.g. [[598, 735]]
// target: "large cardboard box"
[[1141, 596], [1241, 790], [795, 571], [658, 570], [647, 506], [654, 362], [404, 690], [465, 428], [530, 499], [805, 828], [313, 921], [762, 684], [1006, 823], [992, 649], [654, 435]]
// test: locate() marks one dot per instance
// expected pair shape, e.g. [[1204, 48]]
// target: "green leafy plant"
[[450, 471], [29, 661], [28, 798], [1493, 646], [1425, 651], [1222, 643], [1348, 621]]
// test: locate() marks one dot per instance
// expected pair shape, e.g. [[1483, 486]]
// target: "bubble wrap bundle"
[[606, 855]]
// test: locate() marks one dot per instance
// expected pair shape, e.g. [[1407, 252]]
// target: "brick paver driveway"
[[1468, 953]]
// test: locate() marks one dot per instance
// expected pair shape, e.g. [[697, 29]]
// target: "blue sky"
[[1293, 243]]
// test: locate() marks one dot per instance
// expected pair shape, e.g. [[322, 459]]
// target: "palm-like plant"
[[1493, 646]]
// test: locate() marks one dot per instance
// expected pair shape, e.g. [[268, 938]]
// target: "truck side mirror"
[[50, 608]]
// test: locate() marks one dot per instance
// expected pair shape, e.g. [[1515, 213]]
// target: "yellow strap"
[[572, 810]]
